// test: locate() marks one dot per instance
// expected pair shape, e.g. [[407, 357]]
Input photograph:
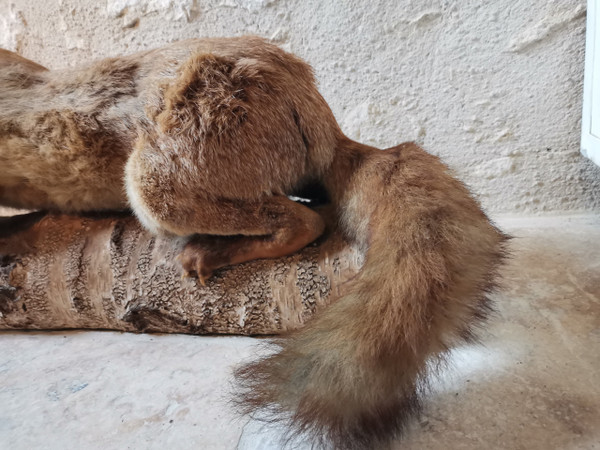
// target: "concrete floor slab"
[[533, 383]]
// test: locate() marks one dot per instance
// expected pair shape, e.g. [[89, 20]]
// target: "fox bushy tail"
[[353, 375]]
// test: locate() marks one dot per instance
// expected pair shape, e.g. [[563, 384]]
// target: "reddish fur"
[[210, 136], [431, 260]]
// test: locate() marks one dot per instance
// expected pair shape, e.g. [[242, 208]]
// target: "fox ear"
[[8, 58], [403, 146]]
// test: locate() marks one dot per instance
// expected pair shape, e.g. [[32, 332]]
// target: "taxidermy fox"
[[209, 137]]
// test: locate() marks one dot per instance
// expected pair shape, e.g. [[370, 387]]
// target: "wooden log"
[[107, 272]]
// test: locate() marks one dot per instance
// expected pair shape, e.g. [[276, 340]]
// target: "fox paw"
[[198, 259]]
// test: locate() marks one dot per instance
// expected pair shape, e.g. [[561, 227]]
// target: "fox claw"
[[194, 264], [199, 274]]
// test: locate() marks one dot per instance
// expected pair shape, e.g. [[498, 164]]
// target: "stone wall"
[[493, 87]]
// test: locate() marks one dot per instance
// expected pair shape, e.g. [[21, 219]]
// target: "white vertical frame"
[[590, 121]]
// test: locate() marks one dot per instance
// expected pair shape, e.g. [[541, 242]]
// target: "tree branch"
[[107, 272]]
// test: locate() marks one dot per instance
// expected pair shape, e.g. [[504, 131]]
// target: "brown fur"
[[208, 137]]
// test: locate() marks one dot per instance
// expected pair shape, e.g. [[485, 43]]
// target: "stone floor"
[[534, 383]]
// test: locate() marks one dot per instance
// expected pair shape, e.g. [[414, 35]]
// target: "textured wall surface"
[[494, 87]]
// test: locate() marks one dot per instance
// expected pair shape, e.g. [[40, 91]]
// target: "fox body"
[[209, 137]]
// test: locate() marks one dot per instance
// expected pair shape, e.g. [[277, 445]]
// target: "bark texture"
[[107, 272]]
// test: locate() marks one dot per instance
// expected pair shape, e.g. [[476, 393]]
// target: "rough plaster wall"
[[492, 87]]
